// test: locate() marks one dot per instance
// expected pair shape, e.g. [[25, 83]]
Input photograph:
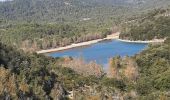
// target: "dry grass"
[[80, 66], [126, 67], [131, 70], [113, 71], [7, 82]]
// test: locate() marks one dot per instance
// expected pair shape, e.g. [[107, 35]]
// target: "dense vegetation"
[[40, 24], [38, 77], [52, 10], [145, 76], [43, 36], [154, 68], [154, 25], [151, 67], [72, 10]]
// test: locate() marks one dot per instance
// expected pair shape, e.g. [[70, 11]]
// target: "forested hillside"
[[30, 25], [32, 37], [154, 69], [74, 10], [142, 77], [153, 25], [57, 10], [41, 24], [32, 76]]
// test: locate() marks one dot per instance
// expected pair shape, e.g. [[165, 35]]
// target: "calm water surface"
[[102, 51]]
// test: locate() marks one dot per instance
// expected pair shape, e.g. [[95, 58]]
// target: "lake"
[[102, 51]]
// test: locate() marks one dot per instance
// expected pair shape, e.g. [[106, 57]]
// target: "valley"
[[59, 49]]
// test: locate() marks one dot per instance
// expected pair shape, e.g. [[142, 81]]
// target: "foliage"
[[43, 36], [38, 77], [154, 67], [41, 24], [154, 25]]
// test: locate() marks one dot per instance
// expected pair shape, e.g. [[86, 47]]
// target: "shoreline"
[[74, 45], [140, 41], [109, 37], [70, 46]]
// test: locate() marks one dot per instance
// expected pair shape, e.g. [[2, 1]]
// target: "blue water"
[[102, 51]]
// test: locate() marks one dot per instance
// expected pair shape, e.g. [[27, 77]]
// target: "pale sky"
[[5, 0], [2, 0]]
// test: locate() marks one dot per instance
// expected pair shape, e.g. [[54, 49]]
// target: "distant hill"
[[72, 10], [53, 10]]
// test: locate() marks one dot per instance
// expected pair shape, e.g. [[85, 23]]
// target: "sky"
[[2, 0], [5, 0]]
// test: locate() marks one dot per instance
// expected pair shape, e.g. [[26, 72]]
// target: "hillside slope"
[[153, 25], [73, 10]]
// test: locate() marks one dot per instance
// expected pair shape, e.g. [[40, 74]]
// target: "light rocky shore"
[[112, 36], [109, 37], [140, 41]]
